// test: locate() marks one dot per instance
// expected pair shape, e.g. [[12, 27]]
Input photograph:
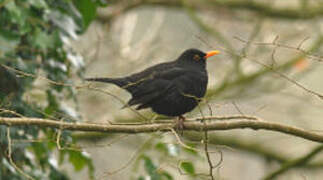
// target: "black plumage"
[[172, 88]]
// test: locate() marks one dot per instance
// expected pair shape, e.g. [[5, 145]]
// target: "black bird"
[[172, 88]]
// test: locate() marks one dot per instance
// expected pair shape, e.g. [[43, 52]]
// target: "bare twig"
[[58, 137], [290, 80], [115, 140], [132, 158], [271, 69], [181, 142], [10, 112], [88, 86], [206, 150], [10, 157], [237, 107], [276, 44], [36, 76]]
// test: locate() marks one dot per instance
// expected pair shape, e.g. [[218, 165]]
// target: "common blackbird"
[[172, 88]]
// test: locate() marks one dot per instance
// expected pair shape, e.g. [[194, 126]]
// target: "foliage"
[[156, 153], [34, 37]]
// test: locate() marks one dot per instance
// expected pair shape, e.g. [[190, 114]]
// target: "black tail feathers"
[[105, 80], [117, 81]]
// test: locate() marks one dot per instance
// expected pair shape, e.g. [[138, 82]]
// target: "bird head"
[[195, 56]]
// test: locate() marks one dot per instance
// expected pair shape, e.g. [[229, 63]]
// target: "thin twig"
[[206, 150], [10, 157], [132, 158], [290, 80], [181, 142], [88, 86], [276, 71], [237, 107], [281, 45]]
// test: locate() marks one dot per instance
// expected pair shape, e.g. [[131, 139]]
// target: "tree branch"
[[295, 163], [118, 7], [251, 147], [227, 123]]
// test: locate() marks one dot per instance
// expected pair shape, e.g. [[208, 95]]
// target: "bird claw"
[[180, 125]]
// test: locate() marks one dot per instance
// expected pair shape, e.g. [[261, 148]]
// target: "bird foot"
[[180, 125]]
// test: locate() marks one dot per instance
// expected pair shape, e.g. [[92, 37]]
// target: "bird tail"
[[105, 80], [117, 81]]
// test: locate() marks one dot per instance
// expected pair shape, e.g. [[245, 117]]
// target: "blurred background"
[[267, 49]]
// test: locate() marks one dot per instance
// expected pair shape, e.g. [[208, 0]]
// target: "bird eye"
[[196, 57]]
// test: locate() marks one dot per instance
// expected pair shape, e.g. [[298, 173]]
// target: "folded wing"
[[147, 88]]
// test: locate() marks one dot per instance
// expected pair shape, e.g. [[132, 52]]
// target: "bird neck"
[[192, 65]]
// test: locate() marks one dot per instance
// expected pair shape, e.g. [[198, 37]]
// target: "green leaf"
[[141, 178], [15, 12], [188, 167], [30, 41], [38, 3], [7, 45], [87, 8], [9, 35], [166, 175], [102, 3], [191, 151], [61, 157], [162, 147], [51, 145], [43, 40], [18, 16], [151, 168], [149, 165], [40, 151], [78, 160], [53, 105]]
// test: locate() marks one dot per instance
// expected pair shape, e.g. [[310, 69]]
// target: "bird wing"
[[154, 85]]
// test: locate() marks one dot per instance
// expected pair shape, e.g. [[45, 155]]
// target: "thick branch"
[[240, 122], [118, 7]]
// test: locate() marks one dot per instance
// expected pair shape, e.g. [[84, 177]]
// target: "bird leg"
[[180, 124]]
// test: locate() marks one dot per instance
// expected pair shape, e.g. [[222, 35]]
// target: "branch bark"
[[264, 9], [226, 123], [295, 163]]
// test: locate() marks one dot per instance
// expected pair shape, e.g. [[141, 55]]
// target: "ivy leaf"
[[191, 151], [149, 165], [9, 35], [44, 41], [87, 8], [38, 3], [151, 168], [53, 105], [15, 12], [79, 160], [167, 175], [18, 16], [188, 167], [40, 150], [102, 3], [7, 45], [141, 178], [28, 31], [162, 147]]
